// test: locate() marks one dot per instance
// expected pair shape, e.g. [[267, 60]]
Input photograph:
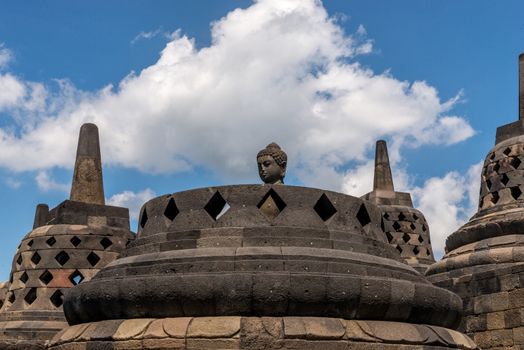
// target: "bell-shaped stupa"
[[67, 246], [260, 267], [406, 228], [484, 261]]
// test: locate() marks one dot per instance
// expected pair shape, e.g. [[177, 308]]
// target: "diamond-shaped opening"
[[171, 210], [106, 242], [143, 218], [406, 237], [271, 205], [492, 156], [30, 297], [424, 228], [420, 251], [57, 299], [401, 217], [415, 217], [494, 197], [46, 277], [396, 226], [363, 216], [62, 258], [51, 241], [496, 167], [1, 304], [35, 259], [12, 298], [215, 205], [386, 216], [11, 278], [504, 179], [507, 151], [399, 248], [76, 277], [515, 192], [324, 208], [19, 260], [515, 162], [24, 277], [75, 241], [412, 226], [390, 237], [93, 259], [30, 243], [488, 183], [420, 239]]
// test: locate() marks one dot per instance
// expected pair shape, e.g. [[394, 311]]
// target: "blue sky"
[[186, 92]]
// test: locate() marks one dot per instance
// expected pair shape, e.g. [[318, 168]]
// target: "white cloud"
[[154, 33], [46, 183], [131, 200], [448, 202], [280, 70], [13, 183], [6, 56]]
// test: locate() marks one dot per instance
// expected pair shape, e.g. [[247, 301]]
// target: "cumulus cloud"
[[131, 200], [6, 56], [46, 183], [448, 202], [279, 70], [152, 34]]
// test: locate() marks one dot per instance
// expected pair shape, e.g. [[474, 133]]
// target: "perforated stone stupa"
[[405, 227], [484, 262], [67, 246], [260, 267]]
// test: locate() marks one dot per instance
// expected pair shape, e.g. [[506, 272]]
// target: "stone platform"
[[256, 333]]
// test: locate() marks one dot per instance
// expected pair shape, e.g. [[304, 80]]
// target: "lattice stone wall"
[[407, 230], [51, 259], [503, 174]]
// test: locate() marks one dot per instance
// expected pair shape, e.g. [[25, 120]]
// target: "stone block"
[[214, 327]]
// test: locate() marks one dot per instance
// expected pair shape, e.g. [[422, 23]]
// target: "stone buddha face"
[[272, 163]]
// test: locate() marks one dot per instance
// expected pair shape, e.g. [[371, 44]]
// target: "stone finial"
[[521, 86], [272, 163], [41, 215], [383, 180], [88, 186]]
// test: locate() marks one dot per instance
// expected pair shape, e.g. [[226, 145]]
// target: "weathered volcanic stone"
[[484, 262], [88, 186], [212, 269], [406, 228], [67, 246]]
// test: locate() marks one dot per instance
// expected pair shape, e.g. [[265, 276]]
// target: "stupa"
[[406, 228], [67, 246], [484, 263], [260, 267]]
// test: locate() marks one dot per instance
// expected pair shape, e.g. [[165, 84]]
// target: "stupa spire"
[[88, 186], [383, 180], [521, 86]]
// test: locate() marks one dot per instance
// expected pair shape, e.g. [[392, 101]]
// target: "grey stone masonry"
[[260, 267], [484, 261], [88, 185], [405, 227], [68, 245]]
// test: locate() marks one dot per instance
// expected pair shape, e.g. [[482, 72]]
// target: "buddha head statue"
[[272, 162]]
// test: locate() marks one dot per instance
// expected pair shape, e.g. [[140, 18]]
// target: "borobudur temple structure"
[[484, 263], [260, 267], [405, 227], [67, 246]]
